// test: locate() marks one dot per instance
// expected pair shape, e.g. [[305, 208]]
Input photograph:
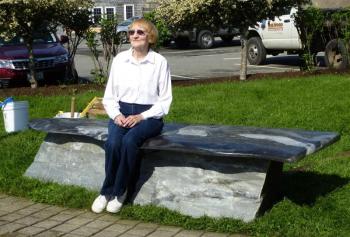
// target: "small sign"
[[275, 26]]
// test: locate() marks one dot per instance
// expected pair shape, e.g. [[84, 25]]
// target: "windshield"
[[128, 21], [38, 39], [125, 23]]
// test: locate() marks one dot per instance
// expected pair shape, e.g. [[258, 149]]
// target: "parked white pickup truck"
[[278, 35]]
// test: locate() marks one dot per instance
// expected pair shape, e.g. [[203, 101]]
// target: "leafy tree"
[[76, 20], [93, 44], [111, 42], [111, 45], [309, 21], [222, 13], [341, 22], [164, 34]]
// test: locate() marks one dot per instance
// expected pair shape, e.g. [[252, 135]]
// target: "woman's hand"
[[120, 120], [132, 120]]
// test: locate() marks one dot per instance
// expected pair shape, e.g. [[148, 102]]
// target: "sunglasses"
[[139, 32]]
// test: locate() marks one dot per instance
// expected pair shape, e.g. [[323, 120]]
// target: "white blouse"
[[145, 82]]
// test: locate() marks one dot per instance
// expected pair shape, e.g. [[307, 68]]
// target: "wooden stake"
[[72, 107]]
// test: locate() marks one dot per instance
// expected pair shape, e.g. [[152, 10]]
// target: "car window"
[[286, 11], [125, 23], [13, 41], [38, 38], [44, 38], [129, 21]]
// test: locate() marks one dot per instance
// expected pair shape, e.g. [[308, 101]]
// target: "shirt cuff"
[[114, 114]]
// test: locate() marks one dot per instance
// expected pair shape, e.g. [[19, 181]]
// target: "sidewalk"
[[21, 217]]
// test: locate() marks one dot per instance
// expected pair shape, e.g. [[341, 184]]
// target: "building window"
[[128, 11], [97, 14], [110, 12]]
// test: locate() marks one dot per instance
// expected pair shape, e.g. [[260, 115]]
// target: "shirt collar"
[[150, 57]]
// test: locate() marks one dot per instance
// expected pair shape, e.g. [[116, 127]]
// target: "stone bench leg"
[[71, 160], [202, 185]]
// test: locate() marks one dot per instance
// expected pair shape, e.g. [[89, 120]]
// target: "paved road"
[[20, 218], [220, 61]]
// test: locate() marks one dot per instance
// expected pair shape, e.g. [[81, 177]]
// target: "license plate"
[[38, 76]]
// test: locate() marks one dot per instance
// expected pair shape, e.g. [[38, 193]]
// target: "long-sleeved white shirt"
[[144, 82]]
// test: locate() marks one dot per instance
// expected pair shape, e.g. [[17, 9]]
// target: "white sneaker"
[[116, 204], [99, 204]]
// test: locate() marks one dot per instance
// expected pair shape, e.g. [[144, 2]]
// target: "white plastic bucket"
[[15, 116]]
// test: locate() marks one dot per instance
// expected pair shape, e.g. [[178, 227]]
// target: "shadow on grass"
[[304, 187]]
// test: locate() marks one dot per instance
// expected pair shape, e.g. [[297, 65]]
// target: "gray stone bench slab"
[[283, 145], [218, 171]]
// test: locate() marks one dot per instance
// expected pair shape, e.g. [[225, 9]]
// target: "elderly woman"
[[137, 96]]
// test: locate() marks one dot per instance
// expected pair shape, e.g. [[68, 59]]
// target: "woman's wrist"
[[141, 117]]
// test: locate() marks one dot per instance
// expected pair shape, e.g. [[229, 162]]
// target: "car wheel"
[[336, 55], [256, 51], [123, 37], [205, 39]]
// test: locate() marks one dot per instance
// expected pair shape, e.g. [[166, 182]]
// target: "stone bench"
[[218, 171]]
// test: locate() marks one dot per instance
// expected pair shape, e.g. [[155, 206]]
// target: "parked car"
[[122, 28], [51, 60]]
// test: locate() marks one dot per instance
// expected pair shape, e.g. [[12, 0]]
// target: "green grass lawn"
[[316, 190]]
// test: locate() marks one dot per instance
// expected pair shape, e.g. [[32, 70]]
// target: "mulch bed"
[[78, 88]]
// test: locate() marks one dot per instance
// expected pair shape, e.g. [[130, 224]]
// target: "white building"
[[123, 8]]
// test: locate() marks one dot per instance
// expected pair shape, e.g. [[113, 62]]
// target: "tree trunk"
[[31, 66], [244, 51], [72, 45]]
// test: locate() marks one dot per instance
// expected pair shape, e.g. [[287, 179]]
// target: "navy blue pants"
[[122, 148]]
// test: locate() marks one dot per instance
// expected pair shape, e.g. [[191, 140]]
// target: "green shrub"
[[163, 30]]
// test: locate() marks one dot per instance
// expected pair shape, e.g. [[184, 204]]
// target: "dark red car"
[[51, 60]]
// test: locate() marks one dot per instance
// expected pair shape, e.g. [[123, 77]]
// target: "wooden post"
[[72, 107], [244, 51]]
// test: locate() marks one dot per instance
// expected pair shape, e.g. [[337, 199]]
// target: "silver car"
[[122, 28]]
